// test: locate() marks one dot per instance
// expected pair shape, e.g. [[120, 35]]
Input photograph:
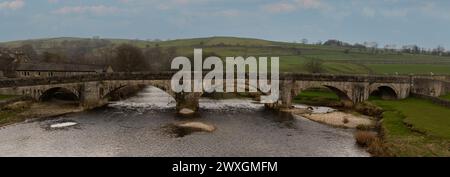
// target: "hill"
[[293, 56]]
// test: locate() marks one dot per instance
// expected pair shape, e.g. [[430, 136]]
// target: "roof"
[[59, 67]]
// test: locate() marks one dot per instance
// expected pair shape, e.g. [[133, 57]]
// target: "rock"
[[186, 111], [182, 129], [198, 126]]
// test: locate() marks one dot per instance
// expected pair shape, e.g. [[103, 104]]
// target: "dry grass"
[[365, 138], [374, 144], [345, 121], [363, 127]]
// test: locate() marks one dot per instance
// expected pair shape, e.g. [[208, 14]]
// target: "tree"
[[439, 50], [304, 41], [29, 51], [347, 51], [51, 57], [129, 58], [314, 65]]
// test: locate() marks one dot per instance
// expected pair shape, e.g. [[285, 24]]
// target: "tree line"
[[122, 57], [374, 47]]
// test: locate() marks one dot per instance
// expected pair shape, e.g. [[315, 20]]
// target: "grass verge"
[[414, 127]]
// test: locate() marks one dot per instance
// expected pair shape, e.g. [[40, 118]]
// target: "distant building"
[[17, 64], [55, 69]]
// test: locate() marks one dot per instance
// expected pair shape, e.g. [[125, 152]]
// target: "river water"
[[137, 127]]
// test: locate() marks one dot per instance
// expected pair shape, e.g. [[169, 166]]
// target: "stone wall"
[[49, 74], [430, 87], [436, 100]]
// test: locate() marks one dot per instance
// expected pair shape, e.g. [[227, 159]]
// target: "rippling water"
[[135, 127]]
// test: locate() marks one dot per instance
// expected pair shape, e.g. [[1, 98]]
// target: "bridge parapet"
[[168, 75], [354, 88]]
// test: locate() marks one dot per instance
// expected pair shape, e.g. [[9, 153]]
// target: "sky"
[[400, 22]]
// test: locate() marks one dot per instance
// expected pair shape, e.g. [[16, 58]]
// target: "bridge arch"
[[247, 87], [108, 89], [385, 91], [63, 93], [339, 89]]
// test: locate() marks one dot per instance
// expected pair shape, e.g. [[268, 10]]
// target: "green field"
[[336, 60], [3, 97], [415, 127], [447, 96], [316, 97]]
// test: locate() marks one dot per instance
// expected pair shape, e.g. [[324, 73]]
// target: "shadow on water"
[[179, 132]]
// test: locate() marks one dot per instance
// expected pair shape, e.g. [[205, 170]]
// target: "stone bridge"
[[93, 90]]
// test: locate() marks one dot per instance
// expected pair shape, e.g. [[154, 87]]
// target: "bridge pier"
[[359, 94], [90, 96], [187, 103], [286, 95]]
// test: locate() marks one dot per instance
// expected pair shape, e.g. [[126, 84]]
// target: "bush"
[[314, 65], [369, 109], [365, 138], [345, 121], [363, 127], [378, 148]]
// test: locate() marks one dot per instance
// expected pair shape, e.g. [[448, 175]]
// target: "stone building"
[[56, 69], [17, 64]]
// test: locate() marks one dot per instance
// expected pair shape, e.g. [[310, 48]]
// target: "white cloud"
[[292, 5], [395, 13], [368, 12], [280, 7], [13, 5], [229, 13], [433, 10], [95, 9]]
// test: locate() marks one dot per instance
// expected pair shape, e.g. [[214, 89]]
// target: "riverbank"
[[410, 127], [333, 117], [414, 127], [23, 110]]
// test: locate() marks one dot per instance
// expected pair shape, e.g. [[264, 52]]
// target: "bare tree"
[[129, 58], [304, 41], [314, 65]]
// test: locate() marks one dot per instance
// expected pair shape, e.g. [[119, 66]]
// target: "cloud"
[[395, 13], [292, 5], [13, 5], [94, 9], [229, 13], [433, 10], [368, 12], [280, 7]]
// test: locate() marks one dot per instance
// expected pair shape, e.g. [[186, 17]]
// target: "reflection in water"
[[138, 127]]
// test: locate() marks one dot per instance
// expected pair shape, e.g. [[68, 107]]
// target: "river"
[[138, 127]]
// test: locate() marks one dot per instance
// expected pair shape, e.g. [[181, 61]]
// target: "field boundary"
[[436, 100]]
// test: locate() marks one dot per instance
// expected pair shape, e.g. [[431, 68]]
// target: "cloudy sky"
[[423, 22]]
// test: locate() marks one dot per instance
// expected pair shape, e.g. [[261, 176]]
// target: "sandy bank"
[[339, 119], [42, 110]]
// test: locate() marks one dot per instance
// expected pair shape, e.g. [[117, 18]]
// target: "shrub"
[[345, 121], [378, 148], [369, 109], [364, 127], [365, 138]]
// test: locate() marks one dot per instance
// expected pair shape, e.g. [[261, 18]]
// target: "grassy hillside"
[[292, 55]]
